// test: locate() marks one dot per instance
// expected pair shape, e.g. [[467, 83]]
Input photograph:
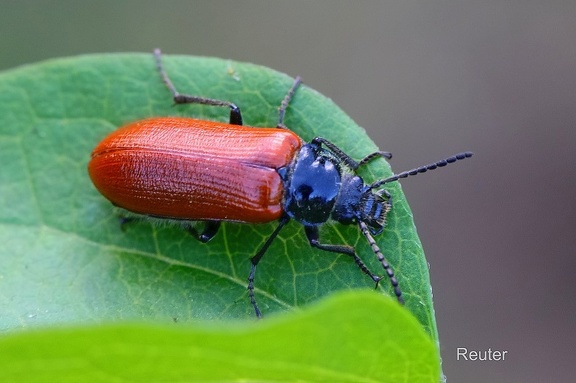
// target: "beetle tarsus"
[[373, 156], [393, 281], [251, 291]]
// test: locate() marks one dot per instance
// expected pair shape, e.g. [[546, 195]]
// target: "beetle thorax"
[[311, 185]]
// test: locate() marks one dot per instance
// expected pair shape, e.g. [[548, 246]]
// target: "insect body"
[[196, 170]]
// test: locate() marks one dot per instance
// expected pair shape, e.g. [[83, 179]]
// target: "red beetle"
[[195, 170]]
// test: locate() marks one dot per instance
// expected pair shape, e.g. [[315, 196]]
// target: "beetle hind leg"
[[179, 98]]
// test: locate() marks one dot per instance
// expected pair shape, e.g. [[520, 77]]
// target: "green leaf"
[[64, 258], [326, 343]]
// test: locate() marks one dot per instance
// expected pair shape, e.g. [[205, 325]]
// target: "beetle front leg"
[[313, 237], [346, 158]]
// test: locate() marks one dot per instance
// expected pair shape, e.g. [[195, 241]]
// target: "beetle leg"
[[345, 157], [255, 259], [210, 230], [313, 236], [284, 104], [382, 259], [235, 114], [373, 156], [349, 161]]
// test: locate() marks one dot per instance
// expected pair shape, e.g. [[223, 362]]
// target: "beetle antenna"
[[422, 169], [382, 259]]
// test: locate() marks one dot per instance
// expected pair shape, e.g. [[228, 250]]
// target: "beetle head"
[[358, 202], [373, 208]]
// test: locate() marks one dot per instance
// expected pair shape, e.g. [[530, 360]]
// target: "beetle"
[[189, 170]]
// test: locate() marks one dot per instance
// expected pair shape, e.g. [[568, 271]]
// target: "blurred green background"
[[426, 79]]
